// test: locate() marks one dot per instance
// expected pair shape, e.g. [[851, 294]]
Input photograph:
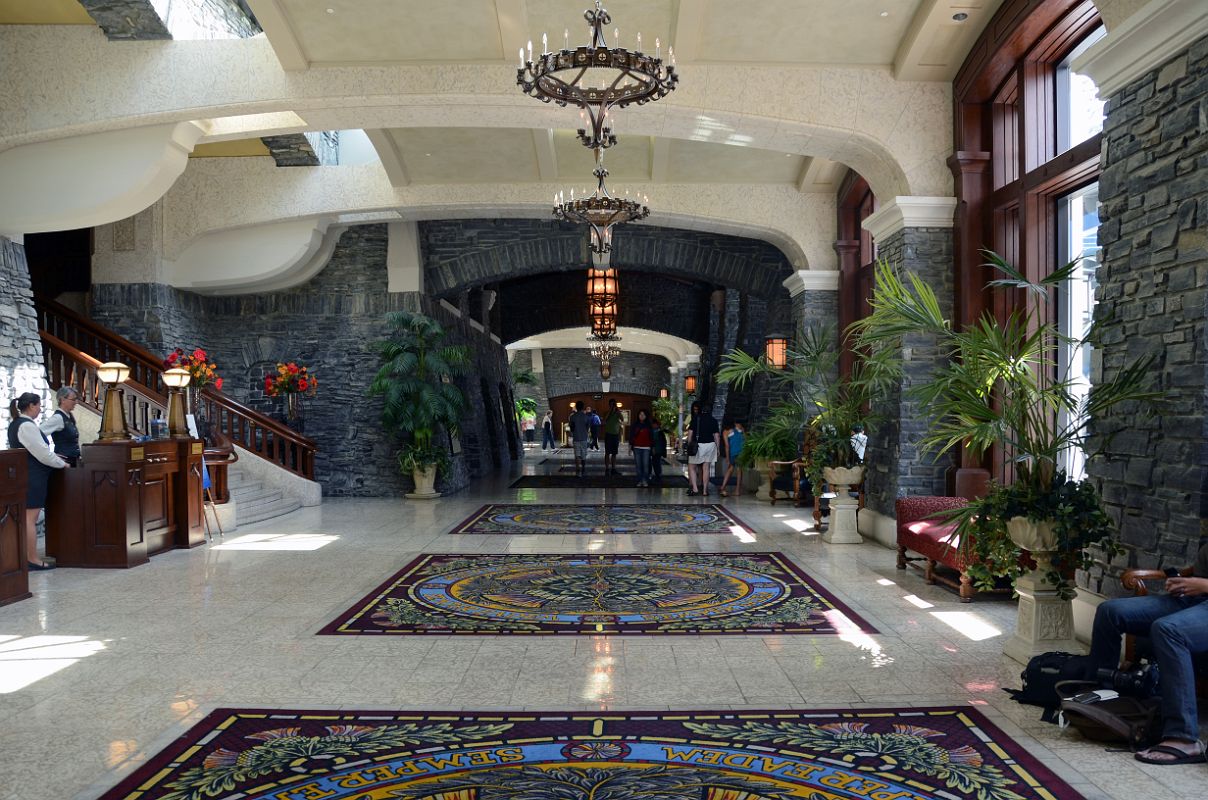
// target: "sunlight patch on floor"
[[25, 660], [277, 541], [742, 534], [968, 624]]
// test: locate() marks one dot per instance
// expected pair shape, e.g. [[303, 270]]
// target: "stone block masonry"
[[21, 366], [327, 324], [896, 466], [635, 373], [1153, 303], [204, 19]]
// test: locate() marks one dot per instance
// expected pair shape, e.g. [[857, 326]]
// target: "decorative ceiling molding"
[[910, 212], [388, 154], [281, 35], [1144, 42], [812, 280]]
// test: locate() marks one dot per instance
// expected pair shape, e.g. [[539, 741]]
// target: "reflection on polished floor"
[[104, 668]]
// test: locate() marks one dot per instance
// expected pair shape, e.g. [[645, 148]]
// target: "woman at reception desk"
[[23, 433]]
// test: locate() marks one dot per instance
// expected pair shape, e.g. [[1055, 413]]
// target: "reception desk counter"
[[14, 575], [126, 502]]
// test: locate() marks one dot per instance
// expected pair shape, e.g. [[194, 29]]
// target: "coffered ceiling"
[[922, 39]]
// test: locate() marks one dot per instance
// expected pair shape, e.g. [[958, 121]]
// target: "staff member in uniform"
[[61, 426], [23, 432]]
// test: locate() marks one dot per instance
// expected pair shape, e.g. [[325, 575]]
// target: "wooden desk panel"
[[14, 569]]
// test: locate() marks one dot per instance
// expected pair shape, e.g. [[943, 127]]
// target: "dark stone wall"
[[462, 254], [21, 366], [327, 324], [633, 373], [649, 301], [138, 19], [1153, 301], [896, 468]]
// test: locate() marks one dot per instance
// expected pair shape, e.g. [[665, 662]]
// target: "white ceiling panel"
[[467, 155]]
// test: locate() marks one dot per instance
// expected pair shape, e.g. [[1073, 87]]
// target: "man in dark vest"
[[61, 426]]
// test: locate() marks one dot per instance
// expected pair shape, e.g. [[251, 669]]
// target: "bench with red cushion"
[[920, 531]]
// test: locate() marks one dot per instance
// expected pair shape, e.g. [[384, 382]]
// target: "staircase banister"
[[154, 398], [265, 422], [136, 351]]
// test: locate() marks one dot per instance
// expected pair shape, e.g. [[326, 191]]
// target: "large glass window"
[[1078, 238], [1079, 109]]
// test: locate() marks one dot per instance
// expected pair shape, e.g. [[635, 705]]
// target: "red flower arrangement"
[[290, 379], [198, 364]]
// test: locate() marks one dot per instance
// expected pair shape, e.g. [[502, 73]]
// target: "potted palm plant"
[[416, 381], [1000, 392], [818, 397], [776, 437]]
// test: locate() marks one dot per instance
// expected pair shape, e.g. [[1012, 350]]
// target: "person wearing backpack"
[[1177, 624]]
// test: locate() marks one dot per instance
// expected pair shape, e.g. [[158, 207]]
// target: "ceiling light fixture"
[[961, 17], [595, 77], [600, 211]]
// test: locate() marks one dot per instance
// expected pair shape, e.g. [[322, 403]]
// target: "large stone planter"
[[1045, 621], [842, 528], [425, 480]]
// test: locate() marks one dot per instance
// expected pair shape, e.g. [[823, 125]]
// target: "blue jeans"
[[641, 459], [1178, 627], [547, 439]]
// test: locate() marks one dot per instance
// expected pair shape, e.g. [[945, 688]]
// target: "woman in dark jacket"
[[641, 439], [23, 432]]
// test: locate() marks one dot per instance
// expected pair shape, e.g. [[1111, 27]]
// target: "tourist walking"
[[580, 431], [704, 433], [547, 431], [733, 437], [595, 430], [641, 441], [612, 437], [23, 432], [658, 450]]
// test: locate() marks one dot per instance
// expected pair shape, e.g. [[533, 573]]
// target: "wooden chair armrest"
[[1134, 579]]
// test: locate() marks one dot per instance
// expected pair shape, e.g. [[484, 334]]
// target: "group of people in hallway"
[[25, 432], [705, 443]]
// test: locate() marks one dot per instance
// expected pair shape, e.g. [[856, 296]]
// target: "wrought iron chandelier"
[[603, 286], [600, 211], [604, 351], [605, 370], [595, 77], [603, 320]]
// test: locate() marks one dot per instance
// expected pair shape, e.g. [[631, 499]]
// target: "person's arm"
[[32, 441], [52, 424]]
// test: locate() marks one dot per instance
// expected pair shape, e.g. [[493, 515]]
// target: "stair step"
[[260, 512], [257, 495]]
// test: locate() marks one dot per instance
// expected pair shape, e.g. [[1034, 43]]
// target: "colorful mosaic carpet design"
[[527, 519], [667, 593], [592, 480], [889, 754]]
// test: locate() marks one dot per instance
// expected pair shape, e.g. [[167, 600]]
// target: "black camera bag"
[[1041, 676], [1134, 721]]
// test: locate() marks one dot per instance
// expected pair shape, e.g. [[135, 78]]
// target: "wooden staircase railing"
[[74, 345]]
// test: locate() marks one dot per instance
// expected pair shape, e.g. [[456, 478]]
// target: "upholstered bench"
[[922, 531]]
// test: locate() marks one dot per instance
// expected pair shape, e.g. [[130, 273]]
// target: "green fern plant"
[[416, 381]]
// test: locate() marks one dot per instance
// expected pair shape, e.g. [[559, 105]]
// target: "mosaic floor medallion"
[[530, 519], [888, 754], [670, 593]]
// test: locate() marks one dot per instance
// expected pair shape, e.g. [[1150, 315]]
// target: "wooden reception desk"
[[125, 502], [14, 576]]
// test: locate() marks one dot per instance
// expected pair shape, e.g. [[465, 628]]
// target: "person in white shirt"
[[859, 441], [23, 432]]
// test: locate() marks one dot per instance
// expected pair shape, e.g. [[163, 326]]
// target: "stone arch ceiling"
[[216, 194], [467, 254], [69, 80]]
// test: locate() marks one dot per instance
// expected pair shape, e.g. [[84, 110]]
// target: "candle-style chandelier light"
[[600, 211], [604, 351], [595, 77]]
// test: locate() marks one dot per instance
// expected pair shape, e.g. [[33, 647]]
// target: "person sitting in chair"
[[1177, 624]]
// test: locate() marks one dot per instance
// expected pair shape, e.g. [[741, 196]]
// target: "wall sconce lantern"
[[176, 379], [776, 350], [113, 415], [689, 384], [664, 393]]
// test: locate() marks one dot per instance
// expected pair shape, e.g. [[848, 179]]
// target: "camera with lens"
[[1139, 682]]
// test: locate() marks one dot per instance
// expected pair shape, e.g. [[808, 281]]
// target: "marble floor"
[[102, 668]]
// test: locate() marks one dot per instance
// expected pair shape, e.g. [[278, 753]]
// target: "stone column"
[[1152, 297], [21, 366], [914, 234], [815, 297]]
